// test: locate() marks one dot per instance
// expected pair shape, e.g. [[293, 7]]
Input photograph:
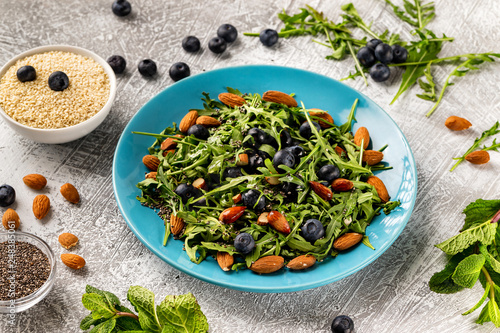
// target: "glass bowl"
[[26, 302]]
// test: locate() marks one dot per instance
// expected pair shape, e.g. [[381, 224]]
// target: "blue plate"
[[315, 91]]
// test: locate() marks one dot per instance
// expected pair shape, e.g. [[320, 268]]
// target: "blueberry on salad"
[[7, 195], [217, 45], [297, 151], [305, 129], [26, 73], [343, 324], [244, 243], [380, 72], [117, 63], [254, 199], [383, 53], [147, 67], [312, 230], [366, 57], [268, 37], [232, 172], [186, 192], [400, 54], [199, 132], [179, 71], [58, 81], [227, 32], [121, 7], [283, 157], [328, 172], [191, 44]]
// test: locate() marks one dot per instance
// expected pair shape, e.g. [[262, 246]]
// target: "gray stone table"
[[390, 295]]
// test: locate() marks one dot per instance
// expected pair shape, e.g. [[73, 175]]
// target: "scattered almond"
[[321, 190], [231, 214], [207, 121], [278, 222], [10, 219], [478, 157], [151, 162], [35, 181], [188, 121], [70, 193], [301, 262], [41, 206], [68, 240], [279, 97], [342, 185], [263, 220], [372, 157], [73, 261], [225, 261], [457, 123], [231, 100], [347, 240], [176, 225], [269, 264], [151, 175], [379, 187], [362, 136], [323, 115]]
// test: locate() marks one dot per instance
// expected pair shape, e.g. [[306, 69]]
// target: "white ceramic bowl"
[[67, 134]]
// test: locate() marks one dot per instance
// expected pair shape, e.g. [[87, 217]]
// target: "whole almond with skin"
[[151, 175], [379, 187], [231, 214], [278, 222], [269, 264], [263, 220], [478, 157], [231, 100], [279, 97], [41, 206], [225, 261], [457, 123], [10, 219], [70, 193], [35, 181], [68, 240], [301, 262], [151, 162], [362, 136], [188, 121], [323, 115], [342, 185], [207, 121], [168, 144], [372, 157], [321, 190], [73, 261], [347, 240], [176, 225]]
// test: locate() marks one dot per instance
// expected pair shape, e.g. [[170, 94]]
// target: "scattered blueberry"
[[232, 172], [380, 72], [342, 324], [121, 7], [147, 67], [117, 63], [186, 191], [250, 198], [305, 129], [383, 53], [217, 45], [227, 32], [268, 37], [399, 54], [26, 73], [328, 172], [312, 230], [179, 70], [58, 81], [199, 131], [244, 243], [7, 195], [283, 157], [372, 44], [191, 44], [366, 57]]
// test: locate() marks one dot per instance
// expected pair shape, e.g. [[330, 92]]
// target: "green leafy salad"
[[251, 177]]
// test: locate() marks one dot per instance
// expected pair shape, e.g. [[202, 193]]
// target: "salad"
[[259, 182]]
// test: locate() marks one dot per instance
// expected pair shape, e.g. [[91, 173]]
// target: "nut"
[[41, 206], [10, 219], [151, 175], [188, 121], [478, 157], [321, 190], [272, 180], [166, 152], [225, 261], [176, 225], [339, 150], [73, 261], [263, 220], [372, 157], [324, 116], [35, 181], [342, 185], [301, 262], [379, 187], [347, 240], [151, 162], [457, 123], [168, 144], [279, 97], [231, 100], [70, 193], [362, 136], [200, 183], [242, 160], [207, 121], [268, 264], [230, 215], [237, 198], [67, 240], [278, 222]]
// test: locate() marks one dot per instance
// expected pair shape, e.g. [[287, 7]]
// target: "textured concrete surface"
[[390, 295]]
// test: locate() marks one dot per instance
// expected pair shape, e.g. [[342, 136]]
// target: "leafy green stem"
[[358, 65]]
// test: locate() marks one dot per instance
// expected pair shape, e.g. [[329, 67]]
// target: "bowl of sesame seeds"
[[56, 94]]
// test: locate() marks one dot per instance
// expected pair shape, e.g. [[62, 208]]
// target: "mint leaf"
[[105, 327], [483, 233], [110, 298], [481, 301], [484, 316], [88, 321], [127, 323], [494, 312], [479, 211], [468, 270], [182, 314], [441, 282], [98, 305], [143, 301]]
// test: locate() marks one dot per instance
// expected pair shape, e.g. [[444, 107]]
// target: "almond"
[[242, 160], [10, 219], [278, 222], [73, 261], [200, 183], [237, 198], [35, 181], [324, 192], [176, 225], [272, 180], [279, 97], [263, 220], [151, 162], [231, 100], [324, 116], [67, 240], [340, 151], [70, 193], [41, 206], [478, 157], [151, 175], [347, 240], [168, 144], [207, 121], [170, 151], [379, 187], [230, 215], [188, 121], [362, 136], [301, 262], [269, 264], [225, 261], [457, 123], [342, 185], [372, 157]]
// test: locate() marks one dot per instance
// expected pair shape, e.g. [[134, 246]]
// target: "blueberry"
[[268, 37], [26, 73], [380, 72], [121, 7], [117, 63], [258, 136], [232, 172], [366, 57], [217, 45], [147, 67], [399, 54], [383, 53], [199, 132], [297, 151], [285, 138], [312, 230], [58, 81], [250, 197], [200, 202], [227, 32], [290, 190], [191, 44], [256, 159], [342, 324], [178, 71], [328, 172], [372, 44], [305, 129], [7, 195], [244, 243], [186, 191], [283, 157]]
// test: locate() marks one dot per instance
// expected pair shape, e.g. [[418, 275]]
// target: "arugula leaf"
[[479, 211], [418, 14], [182, 314], [483, 233], [468, 270]]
